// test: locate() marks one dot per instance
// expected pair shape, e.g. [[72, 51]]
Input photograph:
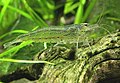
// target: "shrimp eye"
[[86, 24]]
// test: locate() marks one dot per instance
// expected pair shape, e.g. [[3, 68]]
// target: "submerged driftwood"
[[98, 63]]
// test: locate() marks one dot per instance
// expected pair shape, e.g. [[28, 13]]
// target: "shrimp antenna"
[[101, 16]]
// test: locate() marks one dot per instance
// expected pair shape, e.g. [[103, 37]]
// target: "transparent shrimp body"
[[74, 33]]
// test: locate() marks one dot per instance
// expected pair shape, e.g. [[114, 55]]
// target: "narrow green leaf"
[[89, 9], [21, 12], [24, 61], [15, 48], [36, 18], [3, 10], [14, 31], [79, 14], [70, 7]]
